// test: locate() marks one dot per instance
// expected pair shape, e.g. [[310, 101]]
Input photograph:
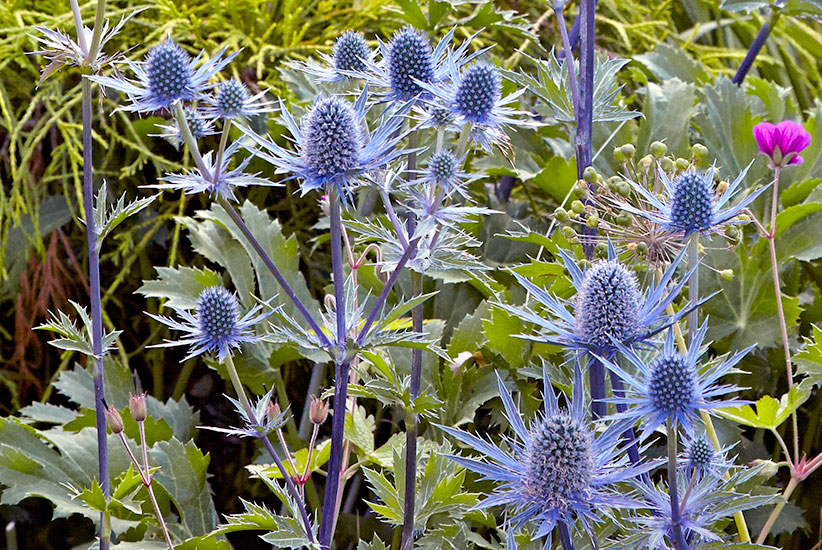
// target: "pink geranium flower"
[[782, 142]]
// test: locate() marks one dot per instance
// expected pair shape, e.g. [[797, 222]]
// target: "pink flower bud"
[[137, 406], [114, 420], [318, 411]]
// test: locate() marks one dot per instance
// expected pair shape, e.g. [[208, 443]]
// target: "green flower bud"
[[628, 150], [682, 164], [578, 207], [561, 214], [658, 149], [589, 174]]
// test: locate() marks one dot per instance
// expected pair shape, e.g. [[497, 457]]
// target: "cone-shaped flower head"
[[443, 169], [673, 387], [782, 142], [607, 304], [560, 470], [215, 325], [231, 97], [350, 52], [167, 74], [333, 138], [333, 148], [609, 307], [701, 458], [690, 203], [410, 61], [197, 124], [478, 92]]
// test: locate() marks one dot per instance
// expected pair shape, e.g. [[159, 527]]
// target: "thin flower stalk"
[[569, 53], [755, 47], [679, 539]]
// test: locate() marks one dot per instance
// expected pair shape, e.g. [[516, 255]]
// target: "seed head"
[[218, 315], [607, 305], [559, 462], [409, 57], [169, 72], [333, 137], [479, 90], [672, 384], [349, 51], [692, 203], [231, 98]]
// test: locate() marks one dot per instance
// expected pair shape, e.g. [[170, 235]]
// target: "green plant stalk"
[[238, 387], [763, 534], [147, 483], [99, 21]]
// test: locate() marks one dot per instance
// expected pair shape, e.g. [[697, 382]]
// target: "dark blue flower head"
[[478, 92], [609, 307], [350, 52], [690, 203], [410, 61], [561, 470], [443, 169], [169, 72], [607, 304], [231, 97], [700, 457], [673, 387], [333, 148], [333, 137], [216, 325], [166, 75]]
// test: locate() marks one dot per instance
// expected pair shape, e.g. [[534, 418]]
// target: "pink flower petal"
[[764, 134], [796, 159], [792, 137]]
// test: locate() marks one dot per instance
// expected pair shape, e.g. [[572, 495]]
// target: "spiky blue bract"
[[608, 307], [215, 325], [473, 95], [558, 470], [690, 203], [673, 387], [233, 100], [409, 61], [167, 74], [218, 181], [333, 148]]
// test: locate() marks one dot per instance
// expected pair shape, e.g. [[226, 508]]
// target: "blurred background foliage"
[[680, 53]]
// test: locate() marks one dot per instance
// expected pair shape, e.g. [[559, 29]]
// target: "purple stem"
[[341, 378], [573, 35], [372, 316], [411, 420], [565, 536], [753, 51], [673, 490], [96, 304], [596, 377], [269, 263], [335, 459], [289, 484]]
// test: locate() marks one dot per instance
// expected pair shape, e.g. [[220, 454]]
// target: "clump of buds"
[[318, 411]]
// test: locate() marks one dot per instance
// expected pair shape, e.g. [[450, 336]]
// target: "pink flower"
[[783, 142]]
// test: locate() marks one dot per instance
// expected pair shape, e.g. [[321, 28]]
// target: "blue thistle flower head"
[[333, 138], [197, 124], [560, 470], [333, 148], [700, 453], [701, 458], [231, 98], [167, 74], [410, 61], [350, 52], [607, 304], [690, 203], [478, 92], [673, 387], [443, 169], [215, 324], [609, 308]]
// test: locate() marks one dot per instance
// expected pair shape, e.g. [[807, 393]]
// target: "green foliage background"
[[681, 54]]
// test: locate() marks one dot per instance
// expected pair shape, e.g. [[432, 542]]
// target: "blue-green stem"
[[565, 536], [462, 144], [673, 490], [96, 34]]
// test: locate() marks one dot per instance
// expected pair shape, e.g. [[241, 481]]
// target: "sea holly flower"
[[349, 57], [167, 74], [559, 470], [256, 422], [609, 307], [673, 387], [215, 325], [782, 142], [334, 149], [691, 204], [218, 180], [474, 96], [233, 100], [408, 61], [700, 458], [197, 124]]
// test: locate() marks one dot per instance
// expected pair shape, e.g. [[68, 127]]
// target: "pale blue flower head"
[[673, 387], [215, 325], [558, 470], [609, 307], [334, 149], [233, 100], [349, 59], [167, 74], [701, 458], [690, 203], [197, 124]]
